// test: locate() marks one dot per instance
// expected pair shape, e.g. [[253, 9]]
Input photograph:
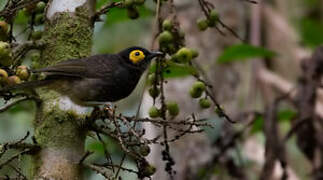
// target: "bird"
[[96, 79]]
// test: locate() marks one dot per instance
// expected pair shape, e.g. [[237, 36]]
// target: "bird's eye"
[[136, 56]]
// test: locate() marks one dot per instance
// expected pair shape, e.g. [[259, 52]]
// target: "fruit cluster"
[[211, 20], [20, 74], [131, 6], [171, 41], [196, 91]]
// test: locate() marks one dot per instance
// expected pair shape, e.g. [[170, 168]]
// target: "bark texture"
[[68, 34]]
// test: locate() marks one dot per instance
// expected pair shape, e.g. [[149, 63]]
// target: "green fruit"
[[165, 37], [154, 92], [132, 13], [167, 25], [195, 93], [199, 86], [184, 55], [152, 78], [22, 72], [154, 112], [174, 58], [128, 3], [202, 24], [13, 80], [214, 16], [40, 7], [139, 2], [36, 35], [144, 150], [211, 23], [3, 76], [204, 103], [197, 89], [39, 19], [5, 54], [148, 170], [195, 53], [172, 108]]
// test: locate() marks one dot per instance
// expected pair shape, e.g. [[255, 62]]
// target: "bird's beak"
[[155, 54]]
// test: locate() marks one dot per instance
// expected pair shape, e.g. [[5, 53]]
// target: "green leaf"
[[244, 51], [311, 32], [282, 116], [286, 115], [117, 15], [174, 70], [257, 125]]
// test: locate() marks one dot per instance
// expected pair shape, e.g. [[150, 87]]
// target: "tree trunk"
[[68, 34]]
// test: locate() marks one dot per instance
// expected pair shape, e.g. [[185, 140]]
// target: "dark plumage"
[[96, 79]]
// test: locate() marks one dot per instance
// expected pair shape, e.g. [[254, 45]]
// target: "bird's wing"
[[90, 67]]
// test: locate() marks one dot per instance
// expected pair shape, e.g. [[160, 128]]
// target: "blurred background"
[[249, 82]]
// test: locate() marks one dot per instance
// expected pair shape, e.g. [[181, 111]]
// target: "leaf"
[[286, 115], [244, 51], [257, 125], [282, 116], [311, 32], [117, 15]]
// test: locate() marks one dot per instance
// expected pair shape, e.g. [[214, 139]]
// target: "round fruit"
[[172, 108], [174, 58], [36, 35], [40, 7], [22, 72], [3, 76], [214, 16], [204, 103], [13, 80], [197, 89], [132, 13], [184, 55], [165, 37], [144, 150], [5, 54], [39, 19], [195, 53], [195, 93], [148, 170], [152, 78], [198, 85], [202, 24], [154, 92], [167, 25], [211, 23], [4, 27], [154, 112]]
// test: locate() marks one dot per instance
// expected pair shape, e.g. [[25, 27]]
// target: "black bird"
[[96, 79]]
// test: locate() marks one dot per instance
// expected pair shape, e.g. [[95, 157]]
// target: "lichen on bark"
[[67, 36]]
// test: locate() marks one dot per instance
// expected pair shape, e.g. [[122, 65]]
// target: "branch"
[[103, 10], [9, 105]]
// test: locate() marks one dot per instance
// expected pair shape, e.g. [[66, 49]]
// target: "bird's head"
[[138, 56]]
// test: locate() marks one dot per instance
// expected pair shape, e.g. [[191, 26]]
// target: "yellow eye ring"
[[136, 56]]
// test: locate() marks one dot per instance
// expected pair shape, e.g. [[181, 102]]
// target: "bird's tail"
[[27, 85]]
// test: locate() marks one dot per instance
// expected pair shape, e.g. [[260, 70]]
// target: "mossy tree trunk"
[[68, 34]]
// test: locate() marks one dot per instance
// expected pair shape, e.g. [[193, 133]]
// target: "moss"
[[66, 36]]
